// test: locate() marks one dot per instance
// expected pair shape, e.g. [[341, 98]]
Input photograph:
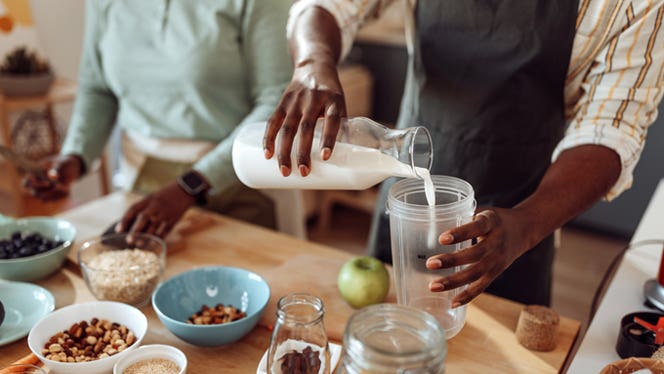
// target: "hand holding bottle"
[[314, 91]]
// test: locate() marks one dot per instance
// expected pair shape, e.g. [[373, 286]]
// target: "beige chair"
[[290, 210], [293, 207]]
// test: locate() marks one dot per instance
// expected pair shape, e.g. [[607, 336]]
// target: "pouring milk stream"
[[365, 154]]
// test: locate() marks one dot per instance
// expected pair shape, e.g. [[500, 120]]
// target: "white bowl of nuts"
[[117, 269], [87, 338]]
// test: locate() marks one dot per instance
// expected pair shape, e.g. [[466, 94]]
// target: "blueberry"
[[32, 238], [3, 254], [19, 245], [26, 251]]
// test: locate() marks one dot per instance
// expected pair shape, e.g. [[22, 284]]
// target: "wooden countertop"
[[486, 344]]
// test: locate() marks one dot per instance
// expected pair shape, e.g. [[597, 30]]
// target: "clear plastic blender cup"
[[413, 224]]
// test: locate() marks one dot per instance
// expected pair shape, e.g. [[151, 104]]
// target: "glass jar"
[[391, 339], [299, 340], [414, 230], [366, 153]]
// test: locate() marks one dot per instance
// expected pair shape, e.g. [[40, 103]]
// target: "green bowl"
[[38, 266]]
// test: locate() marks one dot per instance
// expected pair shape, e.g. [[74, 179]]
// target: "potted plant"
[[23, 73]]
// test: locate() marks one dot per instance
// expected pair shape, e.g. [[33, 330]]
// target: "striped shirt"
[[615, 78]]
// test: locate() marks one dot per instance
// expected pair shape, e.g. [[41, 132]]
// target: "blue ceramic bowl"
[[37, 266], [181, 296]]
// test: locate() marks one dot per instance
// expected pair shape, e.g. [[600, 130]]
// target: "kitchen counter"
[[624, 293], [486, 344]]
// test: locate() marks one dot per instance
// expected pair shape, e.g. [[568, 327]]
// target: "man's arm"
[[573, 183], [314, 91], [320, 33], [620, 94]]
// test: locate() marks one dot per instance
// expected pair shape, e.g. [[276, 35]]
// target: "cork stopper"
[[537, 328]]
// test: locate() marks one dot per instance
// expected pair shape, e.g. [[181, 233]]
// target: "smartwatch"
[[195, 185]]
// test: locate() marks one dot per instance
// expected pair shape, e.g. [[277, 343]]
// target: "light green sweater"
[[185, 69]]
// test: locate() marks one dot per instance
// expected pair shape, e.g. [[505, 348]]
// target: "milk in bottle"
[[365, 154]]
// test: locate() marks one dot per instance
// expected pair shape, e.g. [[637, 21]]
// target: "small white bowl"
[[63, 318], [152, 351]]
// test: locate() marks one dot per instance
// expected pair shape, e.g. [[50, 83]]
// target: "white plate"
[[25, 304], [335, 354]]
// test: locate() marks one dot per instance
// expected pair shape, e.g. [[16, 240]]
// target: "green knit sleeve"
[[269, 69]]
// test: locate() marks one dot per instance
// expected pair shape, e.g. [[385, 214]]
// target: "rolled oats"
[[128, 276]]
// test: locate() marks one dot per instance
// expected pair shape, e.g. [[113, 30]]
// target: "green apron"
[[487, 80]]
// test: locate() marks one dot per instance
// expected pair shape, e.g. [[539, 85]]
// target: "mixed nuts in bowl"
[[87, 338]]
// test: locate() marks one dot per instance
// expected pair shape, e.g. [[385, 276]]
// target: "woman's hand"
[[502, 237], [156, 213], [314, 91], [60, 172]]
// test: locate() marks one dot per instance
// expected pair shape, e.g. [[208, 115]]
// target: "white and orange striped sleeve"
[[349, 14], [621, 90]]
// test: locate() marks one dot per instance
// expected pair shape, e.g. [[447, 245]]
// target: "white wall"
[[59, 27]]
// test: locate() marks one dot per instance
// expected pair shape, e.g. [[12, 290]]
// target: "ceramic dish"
[[152, 351], [37, 266], [25, 304], [179, 297], [63, 318], [635, 340]]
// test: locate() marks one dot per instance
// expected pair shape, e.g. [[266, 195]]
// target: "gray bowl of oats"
[[127, 273]]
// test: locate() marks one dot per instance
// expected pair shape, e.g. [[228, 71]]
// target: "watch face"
[[192, 181]]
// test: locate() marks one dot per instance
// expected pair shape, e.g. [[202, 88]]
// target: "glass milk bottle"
[[299, 340], [365, 154], [393, 339], [415, 224]]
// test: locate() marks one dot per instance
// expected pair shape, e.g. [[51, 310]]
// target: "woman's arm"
[[96, 106], [267, 70], [92, 119], [265, 54]]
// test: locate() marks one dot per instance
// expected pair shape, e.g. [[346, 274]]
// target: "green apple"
[[363, 281]]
